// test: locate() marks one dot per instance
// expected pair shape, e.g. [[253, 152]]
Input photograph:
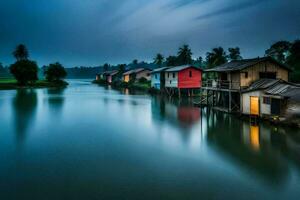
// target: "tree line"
[[25, 71]]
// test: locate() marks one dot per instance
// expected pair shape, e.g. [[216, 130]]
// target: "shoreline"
[[145, 87], [12, 85]]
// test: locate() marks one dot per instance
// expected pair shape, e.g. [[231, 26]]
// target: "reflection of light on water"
[[254, 137], [126, 91]]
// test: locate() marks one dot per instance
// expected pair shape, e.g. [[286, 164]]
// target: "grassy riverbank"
[[10, 84]]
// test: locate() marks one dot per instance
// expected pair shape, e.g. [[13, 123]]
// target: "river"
[[91, 142]]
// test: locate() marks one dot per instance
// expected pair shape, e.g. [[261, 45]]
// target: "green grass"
[[7, 80], [8, 84]]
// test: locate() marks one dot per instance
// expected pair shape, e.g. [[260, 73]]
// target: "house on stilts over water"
[[158, 78], [224, 84], [185, 78]]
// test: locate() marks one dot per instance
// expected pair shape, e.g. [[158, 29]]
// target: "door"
[[254, 106], [275, 106]]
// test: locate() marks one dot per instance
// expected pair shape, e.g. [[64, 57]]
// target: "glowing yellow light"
[[254, 137]]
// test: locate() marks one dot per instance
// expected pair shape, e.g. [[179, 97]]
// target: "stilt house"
[[224, 90], [158, 78], [183, 77]]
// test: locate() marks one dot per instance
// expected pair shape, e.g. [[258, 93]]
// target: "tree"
[[184, 55], [234, 54], [293, 60], [55, 72], [24, 71], [122, 68], [159, 59], [279, 51], [21, 52], [199, 61], [135, 62], [216, 57], [171, 61], [106, 67]]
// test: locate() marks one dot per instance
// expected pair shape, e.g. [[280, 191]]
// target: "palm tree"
[[159, 59], [216, 57], [185, 55], [234, 54], [21, 52]]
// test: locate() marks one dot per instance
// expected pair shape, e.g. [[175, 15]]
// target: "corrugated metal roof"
[[159, 69], [179, 68], [135, 71], [261, 84], [276, 87], [293, 93], [114, 72], [242, 64]]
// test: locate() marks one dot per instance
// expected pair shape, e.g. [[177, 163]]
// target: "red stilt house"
[[183, 77]]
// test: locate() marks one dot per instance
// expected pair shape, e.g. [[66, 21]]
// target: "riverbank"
[[145, 86], [11, 84]]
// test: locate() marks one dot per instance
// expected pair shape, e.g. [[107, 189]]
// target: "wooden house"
[[183, 77], [158, 78], [269, 97], [137, 74], [108, 76], [231, 78], [111, 76]]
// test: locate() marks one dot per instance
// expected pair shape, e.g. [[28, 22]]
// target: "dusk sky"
[[92, 32]]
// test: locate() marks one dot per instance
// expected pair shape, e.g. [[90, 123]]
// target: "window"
[[191, 74], [269, 75], [246, 74], [173, 75], [155, 76], [267, 100], [170, 82]]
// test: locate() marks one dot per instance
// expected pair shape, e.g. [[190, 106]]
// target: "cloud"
[[238, 6], [92, 32]]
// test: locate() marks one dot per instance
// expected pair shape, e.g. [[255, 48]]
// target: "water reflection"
[[25, 107], [249, 146], [55, 98], [178, 113]]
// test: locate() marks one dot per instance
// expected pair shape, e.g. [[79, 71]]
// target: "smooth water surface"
[[90, 142]]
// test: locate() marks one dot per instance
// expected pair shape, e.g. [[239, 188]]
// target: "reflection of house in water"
[[249, 146], [180, 114]]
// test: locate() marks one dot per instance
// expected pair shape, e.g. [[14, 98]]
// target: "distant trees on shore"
[[285, 52], [55, 72], [25, 71]]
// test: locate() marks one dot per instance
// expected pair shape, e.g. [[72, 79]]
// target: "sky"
[[93, 32]]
